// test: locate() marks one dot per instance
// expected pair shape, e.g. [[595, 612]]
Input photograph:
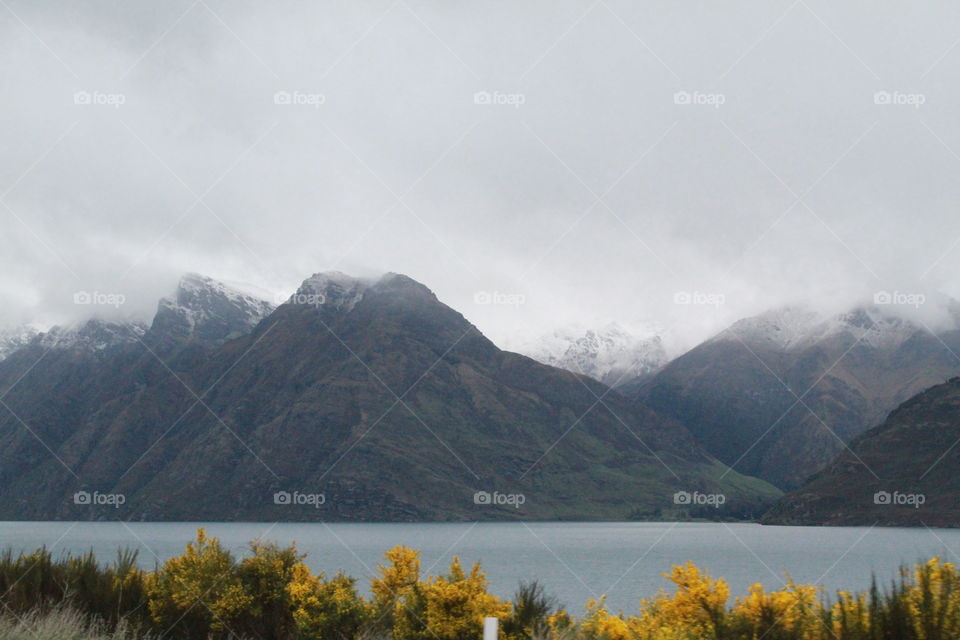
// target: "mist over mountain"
[[611, 354], [777, 395], [367, 391]]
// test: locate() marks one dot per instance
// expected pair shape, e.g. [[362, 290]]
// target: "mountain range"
[[611, 354], [356, 399], [778, 395], [902, 472], [369, 399]]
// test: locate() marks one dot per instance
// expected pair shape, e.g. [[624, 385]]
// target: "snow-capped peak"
[[91, 335], [784, 328], [332, 288], [610, 354], [210, 311], [792, 328], [15, 338]]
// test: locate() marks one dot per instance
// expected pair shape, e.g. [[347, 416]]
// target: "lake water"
[[575, 561]]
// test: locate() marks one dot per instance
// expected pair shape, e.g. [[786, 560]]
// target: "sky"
[[536, 164]]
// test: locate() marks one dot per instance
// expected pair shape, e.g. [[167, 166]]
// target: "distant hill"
[[903, 472], [777, 395], [355, 400]]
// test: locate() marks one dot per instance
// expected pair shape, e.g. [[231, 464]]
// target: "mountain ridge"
[[901, 472], [371, 392], [776, 395]]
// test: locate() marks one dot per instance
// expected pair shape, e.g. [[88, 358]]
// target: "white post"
[[490, 628]]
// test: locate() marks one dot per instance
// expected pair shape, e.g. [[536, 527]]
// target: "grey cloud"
[[200, 170]]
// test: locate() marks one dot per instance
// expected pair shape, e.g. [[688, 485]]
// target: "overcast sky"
[[144, 139]]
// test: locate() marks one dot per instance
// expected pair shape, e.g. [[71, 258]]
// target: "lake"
[[575, 561]]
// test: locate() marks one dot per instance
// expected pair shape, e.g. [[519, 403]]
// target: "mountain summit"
[[610, 354], [369, 393], [208, 311], [777, 395]]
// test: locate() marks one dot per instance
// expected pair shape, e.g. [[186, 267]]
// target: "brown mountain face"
[[776, 396], [355, 400], [903, 472]]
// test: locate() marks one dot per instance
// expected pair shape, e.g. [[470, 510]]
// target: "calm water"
[[575, 560]]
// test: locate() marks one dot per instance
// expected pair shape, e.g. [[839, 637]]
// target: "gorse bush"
[[271, 594], [36, 581], [923, 605]]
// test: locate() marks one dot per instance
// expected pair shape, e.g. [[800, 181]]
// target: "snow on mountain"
[[791, 328], [13, 339], [332, 288], [91, 335], [610, 354], [210, 311]]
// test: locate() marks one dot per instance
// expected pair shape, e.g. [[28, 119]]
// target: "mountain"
[[902, 472], [357, 399], [15, 338], [208, 311], [90, 336], [777, 395], [610, 354]]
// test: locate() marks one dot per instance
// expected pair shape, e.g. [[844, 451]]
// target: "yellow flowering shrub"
[[600, 624], [933, 600], [325, 609], [395, 586], [271, 594], [699, 606], [450, 607], [199, 592], [792, 612], [850, 615]]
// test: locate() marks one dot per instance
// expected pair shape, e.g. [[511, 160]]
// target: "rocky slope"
[[903, 472], [208, 311], [13, 339], [776, 395], [355, 400]]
